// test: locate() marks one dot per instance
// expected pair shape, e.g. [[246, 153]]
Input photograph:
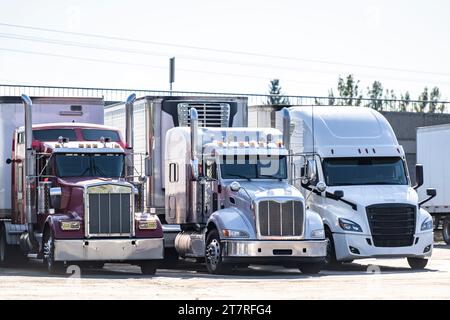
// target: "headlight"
[[319, 233], [234, 233], [70, 225], [349, 225], [147, 225], [427, 224]]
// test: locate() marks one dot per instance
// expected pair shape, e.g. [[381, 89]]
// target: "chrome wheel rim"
[[213, 254], [446, 229]]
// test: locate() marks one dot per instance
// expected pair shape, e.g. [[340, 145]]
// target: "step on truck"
[[228, 190], [361, 186], [153, 117], [69, 193]]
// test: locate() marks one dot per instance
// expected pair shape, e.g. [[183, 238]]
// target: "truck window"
[[96, 134], [364, 171], [89, 165], [173, 172], [54, 134], [253, 167]]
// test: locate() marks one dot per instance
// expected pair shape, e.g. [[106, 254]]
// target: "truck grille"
[[109, 214], [209, 114], [392, 225], [280, 219]]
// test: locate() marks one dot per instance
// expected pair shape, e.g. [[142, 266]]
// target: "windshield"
[[364, 171], [96, 134], [89, 165], [253, 167]]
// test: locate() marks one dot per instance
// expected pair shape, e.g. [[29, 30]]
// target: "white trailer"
[[433, 152]]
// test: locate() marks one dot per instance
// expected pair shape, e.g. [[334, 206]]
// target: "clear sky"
[[306, 44]]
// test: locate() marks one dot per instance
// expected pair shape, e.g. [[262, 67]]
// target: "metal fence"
[[115, 95]]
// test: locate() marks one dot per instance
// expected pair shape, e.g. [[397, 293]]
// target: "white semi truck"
[[228, 190], [433, 152], [362, 188]]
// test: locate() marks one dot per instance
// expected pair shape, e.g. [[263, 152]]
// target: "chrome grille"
[[209, 114], [280, 218], [392, 225], [109, 214]]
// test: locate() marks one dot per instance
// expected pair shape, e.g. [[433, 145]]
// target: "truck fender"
[[233, 219], [313, 222]]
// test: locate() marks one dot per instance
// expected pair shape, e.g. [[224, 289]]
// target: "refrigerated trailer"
[[68, 193], [153, 117], [433, 152]]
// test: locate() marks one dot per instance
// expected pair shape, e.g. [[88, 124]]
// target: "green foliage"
[[375, 93], [349, 90], [276, 98]]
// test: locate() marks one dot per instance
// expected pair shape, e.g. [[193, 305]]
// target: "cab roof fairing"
[[343, 129]]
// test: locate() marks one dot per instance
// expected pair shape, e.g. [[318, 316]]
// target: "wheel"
[[310, 268], [446, 230], [213, 254], [330, 259], [417, 263], [53, 267], [10, 255], [149, 268]]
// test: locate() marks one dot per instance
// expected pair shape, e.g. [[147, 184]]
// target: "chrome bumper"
[[109, 249], [275, 249]]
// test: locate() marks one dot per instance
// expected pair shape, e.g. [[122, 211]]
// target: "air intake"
[[209, 114]]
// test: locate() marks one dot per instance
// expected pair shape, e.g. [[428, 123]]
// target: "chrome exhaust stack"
[[287, 141], [129, 138], [194, 209], [29, 172]]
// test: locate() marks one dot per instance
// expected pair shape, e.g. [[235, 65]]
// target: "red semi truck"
[[69, 194]]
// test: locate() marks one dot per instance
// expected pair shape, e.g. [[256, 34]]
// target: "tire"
[[330, 259], [213, 254], [310, 268], [149, 268], [53, 267], [417, 263], [10, 255], [446, 230]]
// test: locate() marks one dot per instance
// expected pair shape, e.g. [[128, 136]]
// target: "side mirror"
[[235, 186], [8, 161], [321, 186], [431, 192], [419, 176], [55, 197], [338, 194], [311, 170]]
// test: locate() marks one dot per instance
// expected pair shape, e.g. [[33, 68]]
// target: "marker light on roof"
[[81, 145], [94, 145], [88, 145]]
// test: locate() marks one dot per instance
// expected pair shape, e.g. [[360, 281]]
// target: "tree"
[[375, 94], [405, 101], [389, 100], [423, 101], [348, 90], [276, 98], [331, 98], [435, 96]]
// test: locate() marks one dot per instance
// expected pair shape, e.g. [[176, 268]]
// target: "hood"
[[85, 181], [374, 194], [259, 190]]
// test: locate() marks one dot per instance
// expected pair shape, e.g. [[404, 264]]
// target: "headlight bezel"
[[427, 224], [353, 226], [70, 225], [147, 225], [231, 233]]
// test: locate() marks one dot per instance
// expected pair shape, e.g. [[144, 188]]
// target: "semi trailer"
[[433, 152], [228, 190], [153, 117], [69, 194], [362, 188]]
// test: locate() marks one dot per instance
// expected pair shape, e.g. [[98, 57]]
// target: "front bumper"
[[274, 252], [109, 249], [343, 242]]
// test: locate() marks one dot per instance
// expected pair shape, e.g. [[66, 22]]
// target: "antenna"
[[312, 128]]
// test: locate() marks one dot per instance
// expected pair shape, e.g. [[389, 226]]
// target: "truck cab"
[[72, 201], [362, 188], [228, 189]]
